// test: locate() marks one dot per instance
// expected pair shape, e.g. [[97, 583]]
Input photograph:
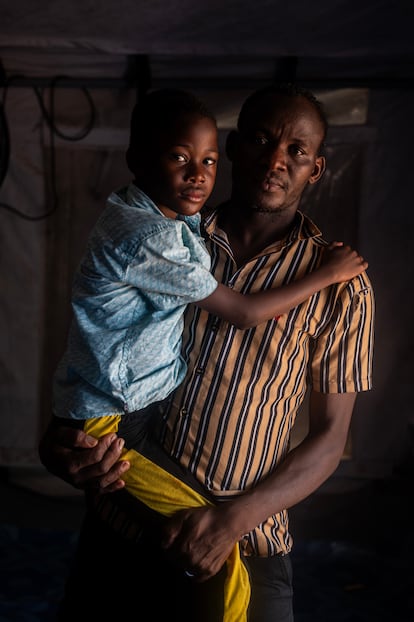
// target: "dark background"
[[70, 73]]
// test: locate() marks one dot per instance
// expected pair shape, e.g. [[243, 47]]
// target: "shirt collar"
[[303, 227], [136, 196]]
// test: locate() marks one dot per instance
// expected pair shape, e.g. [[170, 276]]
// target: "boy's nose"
[[195, 172]]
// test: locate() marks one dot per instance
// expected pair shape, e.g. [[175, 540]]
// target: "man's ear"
[[231, 144], [318, 170]]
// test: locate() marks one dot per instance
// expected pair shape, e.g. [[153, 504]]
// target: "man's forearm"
[[303, 470]]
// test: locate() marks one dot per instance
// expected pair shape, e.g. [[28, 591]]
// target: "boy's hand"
[[342, 262]]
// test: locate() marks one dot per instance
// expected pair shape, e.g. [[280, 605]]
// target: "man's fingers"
[[105, 468], [111, 481], [107, 449], [74, 438]]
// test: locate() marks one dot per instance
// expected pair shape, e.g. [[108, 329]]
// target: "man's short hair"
[[287, 89]]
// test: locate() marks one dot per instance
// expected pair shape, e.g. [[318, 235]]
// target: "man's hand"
[[199, 540], [82, 460]]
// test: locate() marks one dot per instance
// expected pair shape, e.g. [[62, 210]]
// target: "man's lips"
[[272, 184]]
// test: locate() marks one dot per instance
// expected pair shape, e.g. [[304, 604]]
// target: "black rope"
[[4, 144], [49, 116]]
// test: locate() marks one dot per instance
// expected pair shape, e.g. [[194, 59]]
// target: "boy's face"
[[179, 170]]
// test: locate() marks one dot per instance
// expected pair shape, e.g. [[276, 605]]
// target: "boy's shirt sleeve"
[[172, 269]]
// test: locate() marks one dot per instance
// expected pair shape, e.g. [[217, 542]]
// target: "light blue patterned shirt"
[[139, 272]]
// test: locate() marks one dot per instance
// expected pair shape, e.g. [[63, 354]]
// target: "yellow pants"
[[166, 494]]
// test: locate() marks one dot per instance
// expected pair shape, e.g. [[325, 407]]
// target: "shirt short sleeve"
[[173, 268], [343, 357]]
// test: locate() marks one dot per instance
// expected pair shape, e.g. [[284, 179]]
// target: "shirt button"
[[199, 370], [183, 412]]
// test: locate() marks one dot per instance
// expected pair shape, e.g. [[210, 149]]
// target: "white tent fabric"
[[339, 28]]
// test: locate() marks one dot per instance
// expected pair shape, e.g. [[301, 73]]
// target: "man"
[[229, 423]]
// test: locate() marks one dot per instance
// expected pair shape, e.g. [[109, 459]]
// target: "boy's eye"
[[178, 157], [210, 161]]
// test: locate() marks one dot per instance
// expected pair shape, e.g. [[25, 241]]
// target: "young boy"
[[145, 262]]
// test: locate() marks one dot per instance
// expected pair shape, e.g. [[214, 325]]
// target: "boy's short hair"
[[156, 112]]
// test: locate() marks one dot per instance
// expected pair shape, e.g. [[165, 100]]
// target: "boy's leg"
[[112, 577]]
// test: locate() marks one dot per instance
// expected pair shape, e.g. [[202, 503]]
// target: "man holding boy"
[[229, 423]]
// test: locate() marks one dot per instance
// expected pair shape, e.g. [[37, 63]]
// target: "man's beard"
[[277, 212]]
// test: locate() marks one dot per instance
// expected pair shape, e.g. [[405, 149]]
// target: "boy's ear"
[[231, 144], [132, 161], [319, 169], [129, 160]]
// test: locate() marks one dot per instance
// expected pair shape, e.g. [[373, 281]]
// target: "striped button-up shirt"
[[231, 420]]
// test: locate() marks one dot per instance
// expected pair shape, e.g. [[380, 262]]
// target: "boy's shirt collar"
[[136, 196]]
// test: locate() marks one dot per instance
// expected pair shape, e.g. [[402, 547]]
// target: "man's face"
[[275, 154]]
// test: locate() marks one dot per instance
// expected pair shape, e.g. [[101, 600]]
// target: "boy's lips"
[[193, 195]]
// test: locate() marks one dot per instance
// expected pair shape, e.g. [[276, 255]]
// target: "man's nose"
[[276, 157]]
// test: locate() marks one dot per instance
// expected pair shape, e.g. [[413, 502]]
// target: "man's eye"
[[296, 150], [260, 140]]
